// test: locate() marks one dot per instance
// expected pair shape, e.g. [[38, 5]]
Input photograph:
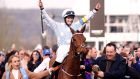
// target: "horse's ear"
[[83, 29], [72, 30]]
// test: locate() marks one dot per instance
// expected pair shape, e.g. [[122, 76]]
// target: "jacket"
[[117, 69]]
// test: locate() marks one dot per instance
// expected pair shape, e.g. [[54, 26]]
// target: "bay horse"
[[70, 68]]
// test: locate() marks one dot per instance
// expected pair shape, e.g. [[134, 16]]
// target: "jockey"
[[62, 30]]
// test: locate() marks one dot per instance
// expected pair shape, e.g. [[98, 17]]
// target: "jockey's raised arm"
[[86, 18]]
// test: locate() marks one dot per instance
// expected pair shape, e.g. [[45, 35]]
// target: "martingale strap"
[[70, 74]]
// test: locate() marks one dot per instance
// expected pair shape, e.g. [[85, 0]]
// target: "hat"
[[46, 52]]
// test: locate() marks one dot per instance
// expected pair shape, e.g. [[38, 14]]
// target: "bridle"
[[72, 40]]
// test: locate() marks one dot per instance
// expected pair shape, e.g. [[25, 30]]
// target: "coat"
[[117, 69]]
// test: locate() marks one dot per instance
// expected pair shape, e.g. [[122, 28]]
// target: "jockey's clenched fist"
[[40, 5]]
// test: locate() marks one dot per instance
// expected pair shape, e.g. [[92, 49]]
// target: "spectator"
[[14, 68], [25, 60], [136, 64], [88, 61], [2, 63], [46, 59], [39, 49], [112, 65], [35, 60], [131, 73], [21, 53], [54, 75]]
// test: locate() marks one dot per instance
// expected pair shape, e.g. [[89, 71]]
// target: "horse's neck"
[[72, 59], [72, 63]]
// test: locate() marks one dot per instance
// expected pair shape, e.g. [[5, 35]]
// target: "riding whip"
[[42, 27]]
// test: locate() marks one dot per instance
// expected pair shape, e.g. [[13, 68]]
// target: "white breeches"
[[62, 52]]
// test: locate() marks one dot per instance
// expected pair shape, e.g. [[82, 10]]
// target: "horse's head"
[[78, 41]]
